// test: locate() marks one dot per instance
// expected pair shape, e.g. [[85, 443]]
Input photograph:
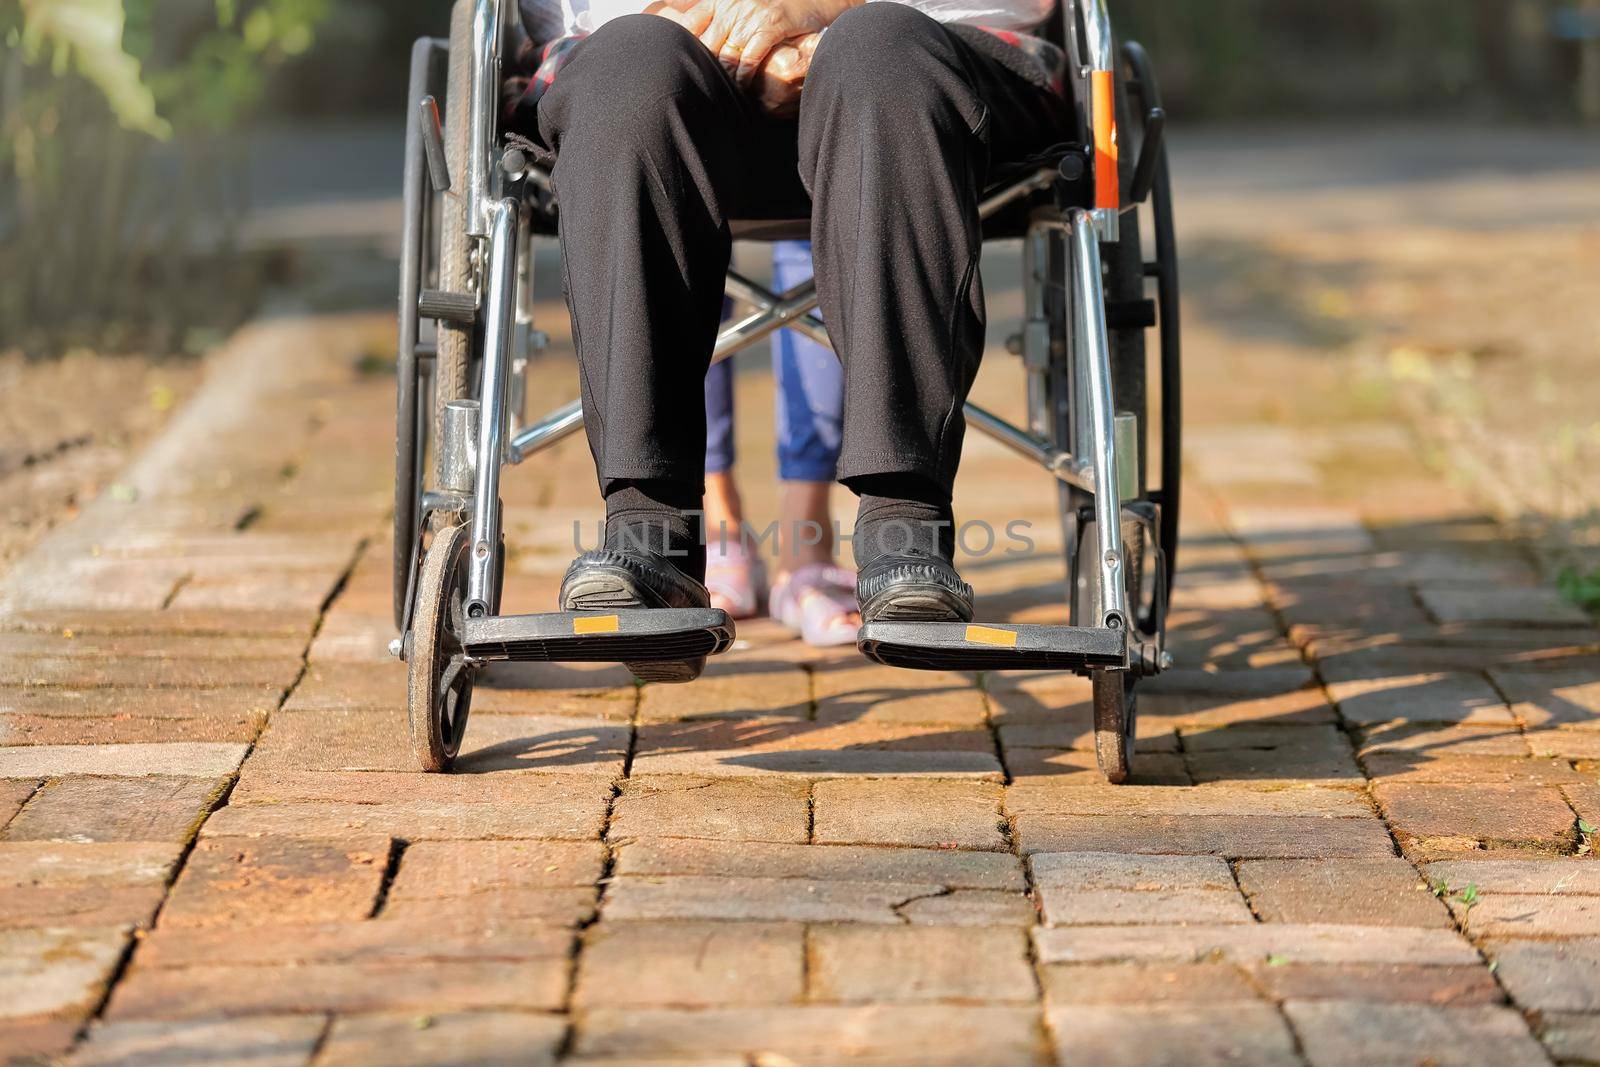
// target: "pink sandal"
[[734, 576], [818, 601]]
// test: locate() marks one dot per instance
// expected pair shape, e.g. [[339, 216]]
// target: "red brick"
[[1438, 697], [1368, 892], [1144, 1034], [1250, 944], [1422, 742], [198, 759], [1341, 1032], [1445, 987], [742, 747], [645, 964], [1301, 707], [13, 794], [139, 672], [422, 821], [1079, 769], [1546, 976], [444, 869], [845, 863], [116, 809], [887, 811], [284, 1041], [1197, 801], [946, 1033], [37, 1039], [730, 809], [59, 730], [492, 1039], [444, 985], [1115, 984], [255, 881], [449, 935], [56, 973], [227, 703], [1231, 836], [379, 741], [900, 964], [1497, 815], [730, 694]]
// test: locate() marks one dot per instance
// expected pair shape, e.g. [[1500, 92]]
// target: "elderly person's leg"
[[647, 133], [901, 122]]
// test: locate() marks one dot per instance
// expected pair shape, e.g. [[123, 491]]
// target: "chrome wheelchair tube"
[[1039, 179], [1100, 54], [762, 322], [1061, 464], [1094, 411], [483, 557], [558, 425], [741, 288], [789, 309], [486, 25]]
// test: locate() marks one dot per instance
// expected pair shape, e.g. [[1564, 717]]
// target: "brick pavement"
[[1355, 835]]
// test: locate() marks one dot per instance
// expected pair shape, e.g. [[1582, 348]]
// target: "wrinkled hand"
[[743, 34], [778, 83]]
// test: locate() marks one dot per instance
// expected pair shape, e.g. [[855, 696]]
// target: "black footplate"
[[633, 636], [961, 646]]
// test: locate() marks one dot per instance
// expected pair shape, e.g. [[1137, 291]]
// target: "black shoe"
[[611, 580], [912, 589]]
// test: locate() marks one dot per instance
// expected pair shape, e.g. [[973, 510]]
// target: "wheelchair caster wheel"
[[439, 694], [1115, 712]]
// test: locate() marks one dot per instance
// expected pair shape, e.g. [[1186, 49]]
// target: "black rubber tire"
[[1157, 212], [452, 365], [439, 689], [410, 420], [1115, 715], [1167, 303]]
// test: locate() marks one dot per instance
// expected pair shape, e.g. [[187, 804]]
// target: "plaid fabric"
[[536, 66]]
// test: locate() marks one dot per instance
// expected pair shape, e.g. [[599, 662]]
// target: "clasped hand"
[[766, 45]]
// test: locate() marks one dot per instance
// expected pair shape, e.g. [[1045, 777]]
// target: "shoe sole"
[[916, 602], [601, 588]]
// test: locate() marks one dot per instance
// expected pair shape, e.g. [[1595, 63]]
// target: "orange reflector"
[[597, 624], [991, 635], [1107, 180]]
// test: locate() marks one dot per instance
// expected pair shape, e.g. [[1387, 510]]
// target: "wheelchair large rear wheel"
[[1156, 218], [452, 377]]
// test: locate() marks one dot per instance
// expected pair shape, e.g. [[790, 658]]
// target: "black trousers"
[[901, 123]]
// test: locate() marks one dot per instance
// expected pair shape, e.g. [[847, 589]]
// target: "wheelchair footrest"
[[959, 646], [633, 636]]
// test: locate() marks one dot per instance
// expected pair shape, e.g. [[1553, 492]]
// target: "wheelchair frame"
[[447, 597]]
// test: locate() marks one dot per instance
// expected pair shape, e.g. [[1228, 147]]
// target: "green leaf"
[[1584, 827], [88, 34]]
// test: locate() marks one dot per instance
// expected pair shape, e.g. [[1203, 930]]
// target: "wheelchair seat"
[[1009, 222]]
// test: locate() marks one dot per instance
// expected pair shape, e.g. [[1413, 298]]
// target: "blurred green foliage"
[[107, 241], [1250, 58]]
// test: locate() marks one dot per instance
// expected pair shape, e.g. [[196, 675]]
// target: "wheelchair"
[[1093, 291]]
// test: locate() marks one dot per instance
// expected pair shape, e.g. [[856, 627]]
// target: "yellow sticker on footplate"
[[597, 624], [990, 635]]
